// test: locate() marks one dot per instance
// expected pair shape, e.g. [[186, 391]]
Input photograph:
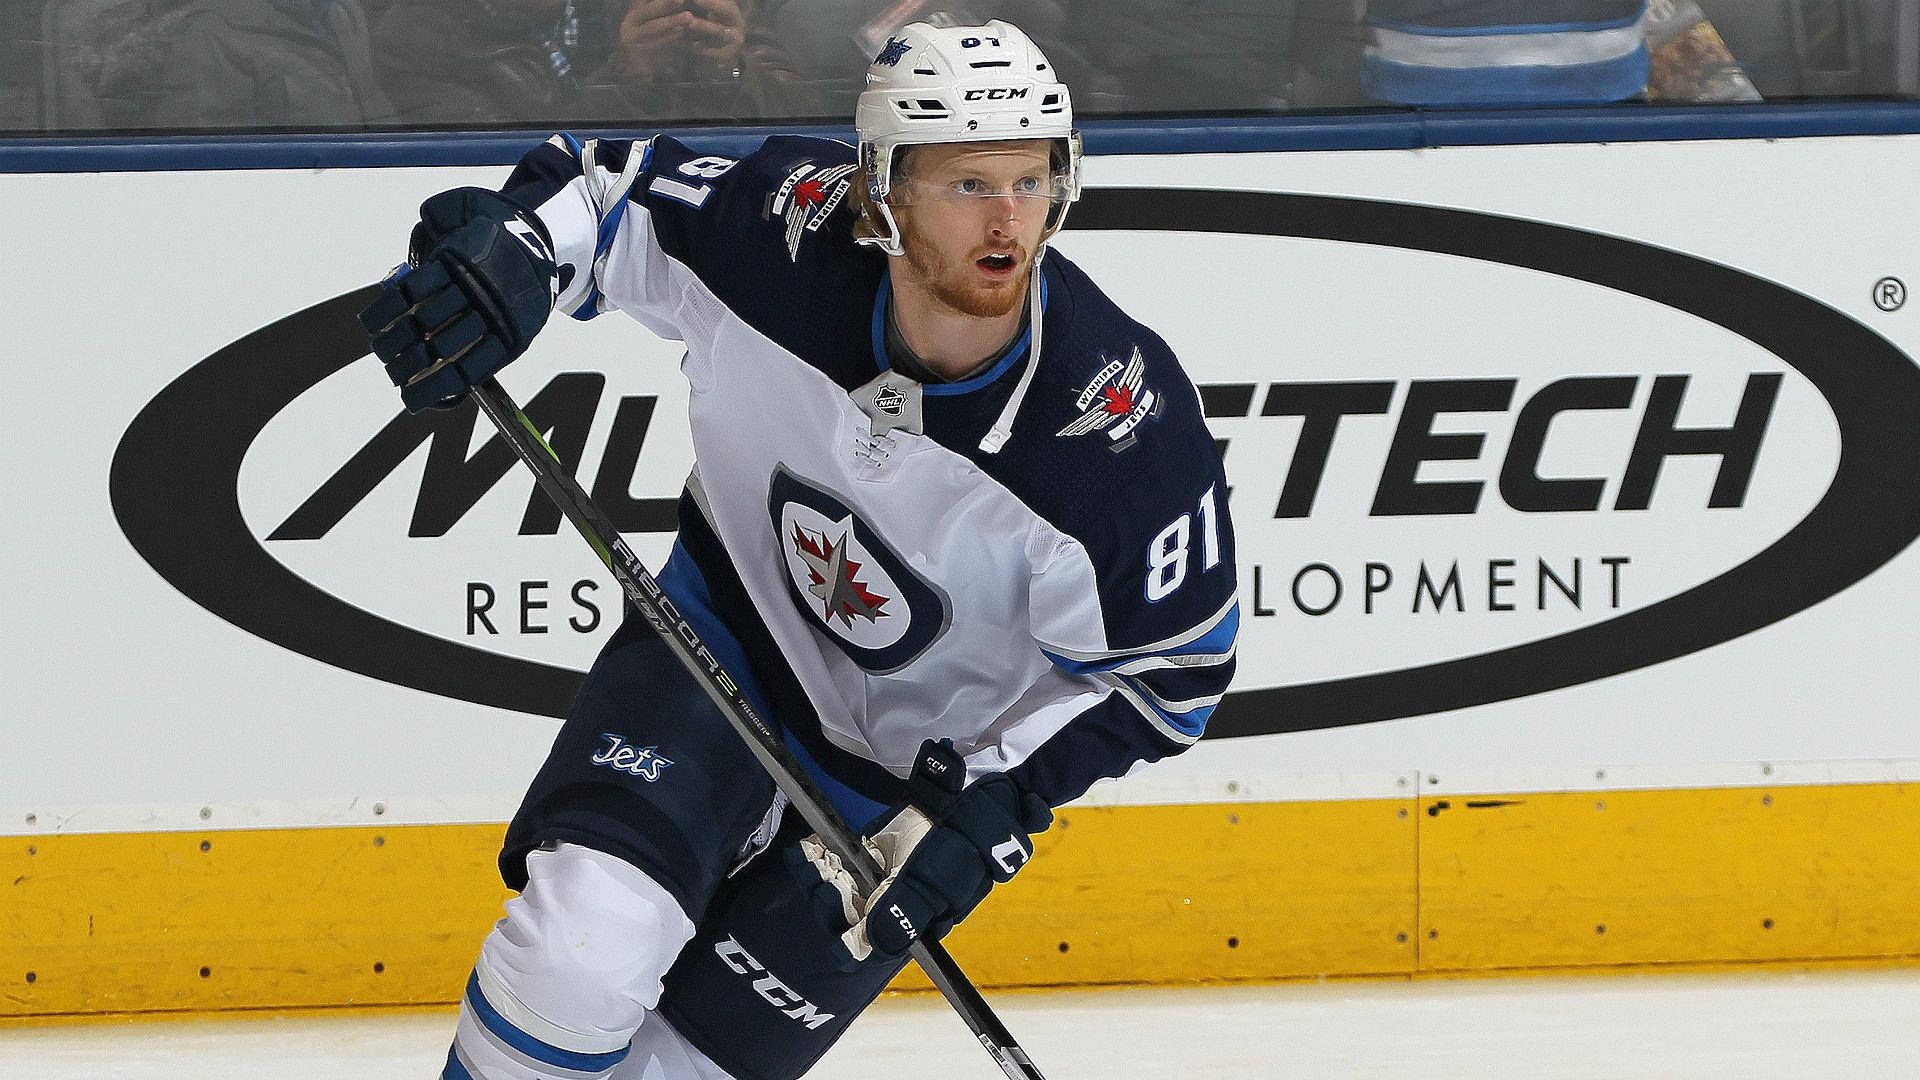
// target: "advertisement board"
[[1542, 458]]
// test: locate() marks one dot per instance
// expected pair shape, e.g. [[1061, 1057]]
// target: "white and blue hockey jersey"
[[1484, 53], [1062, 609]]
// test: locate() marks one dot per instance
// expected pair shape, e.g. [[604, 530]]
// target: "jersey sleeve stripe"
[[1179, 660], [1182, 728], [610, 209], [551, 178], [598, 177], [1179, 690], [618, 201], [1211, 642]]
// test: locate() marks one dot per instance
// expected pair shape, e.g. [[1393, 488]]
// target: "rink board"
[[1542, 458], [1423, 884]]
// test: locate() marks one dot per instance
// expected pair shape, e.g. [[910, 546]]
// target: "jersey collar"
[[985, 378]]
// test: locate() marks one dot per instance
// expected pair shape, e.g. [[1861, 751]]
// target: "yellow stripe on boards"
[[1180, 894], [1393, 888], [134, 922], [1670, 877]]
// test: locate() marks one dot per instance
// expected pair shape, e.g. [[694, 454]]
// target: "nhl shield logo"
[[1115, 401], [848, 583]]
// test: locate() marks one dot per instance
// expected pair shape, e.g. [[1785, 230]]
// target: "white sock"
[[570, 975]]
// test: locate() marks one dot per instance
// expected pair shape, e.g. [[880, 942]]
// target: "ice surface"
[[1762, 1026]]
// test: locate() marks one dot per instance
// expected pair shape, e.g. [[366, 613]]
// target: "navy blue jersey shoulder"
[[1112, 449], [770, 234], [772, 238], [1108, 444]]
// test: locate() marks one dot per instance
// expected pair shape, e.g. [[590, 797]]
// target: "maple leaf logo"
[[1116, 401], [832, 580], [809, 194]]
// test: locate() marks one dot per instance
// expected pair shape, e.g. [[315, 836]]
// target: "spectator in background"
[[1691, 62], [19, 69], [680, 60], [240, 64], [1490, 53], [479, 61], [828, 39], [571, 62], [1831, 47], [1138, 56], [1206, 55], [1328, 51]]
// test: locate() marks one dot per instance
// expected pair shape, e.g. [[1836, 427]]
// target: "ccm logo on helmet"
[[997, 93]]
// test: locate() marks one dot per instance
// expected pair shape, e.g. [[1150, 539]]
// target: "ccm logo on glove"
[[1011, 855], [940, 853], [905, 923], [479, 283]]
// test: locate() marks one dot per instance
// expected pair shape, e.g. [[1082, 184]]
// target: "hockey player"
[[956, 525]]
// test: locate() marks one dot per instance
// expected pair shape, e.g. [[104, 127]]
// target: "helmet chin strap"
[[892, 243], [1002, 429]]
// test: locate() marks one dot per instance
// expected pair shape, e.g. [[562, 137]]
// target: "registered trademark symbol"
[[1889, 294]]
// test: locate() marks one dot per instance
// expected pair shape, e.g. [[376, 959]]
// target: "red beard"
[[961, 287]]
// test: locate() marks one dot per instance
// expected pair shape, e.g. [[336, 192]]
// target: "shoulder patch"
[[806, 199], [1115, 401]]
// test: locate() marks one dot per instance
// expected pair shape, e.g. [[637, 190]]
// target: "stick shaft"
[[760, 736]]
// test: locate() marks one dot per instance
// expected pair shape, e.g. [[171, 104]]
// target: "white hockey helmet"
[[959, 84]]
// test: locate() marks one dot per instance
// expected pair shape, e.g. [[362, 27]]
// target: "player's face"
[[970, 218]]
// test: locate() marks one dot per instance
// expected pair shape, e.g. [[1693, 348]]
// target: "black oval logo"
[[175, 474]]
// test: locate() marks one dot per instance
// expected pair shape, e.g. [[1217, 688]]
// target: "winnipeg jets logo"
[[835, 579], [895, 52], [806, 199], [847, 582], [1115, 401], [644, 762]]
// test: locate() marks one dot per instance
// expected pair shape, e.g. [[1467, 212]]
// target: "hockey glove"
[[941, 852], [479, 284]]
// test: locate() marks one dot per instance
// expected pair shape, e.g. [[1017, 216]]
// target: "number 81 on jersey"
[[1168, 552]]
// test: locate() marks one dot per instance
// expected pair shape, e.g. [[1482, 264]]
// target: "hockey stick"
[[761, 738]]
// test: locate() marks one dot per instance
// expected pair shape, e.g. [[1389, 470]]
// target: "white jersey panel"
[[962, 533], [1028, 606]]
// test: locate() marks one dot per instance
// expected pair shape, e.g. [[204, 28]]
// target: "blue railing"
[[1370, 130]]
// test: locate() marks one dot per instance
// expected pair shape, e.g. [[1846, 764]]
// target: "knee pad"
[[578, 961]]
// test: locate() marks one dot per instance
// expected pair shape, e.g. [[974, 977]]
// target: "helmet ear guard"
[[1070, 184], [877, 168]]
